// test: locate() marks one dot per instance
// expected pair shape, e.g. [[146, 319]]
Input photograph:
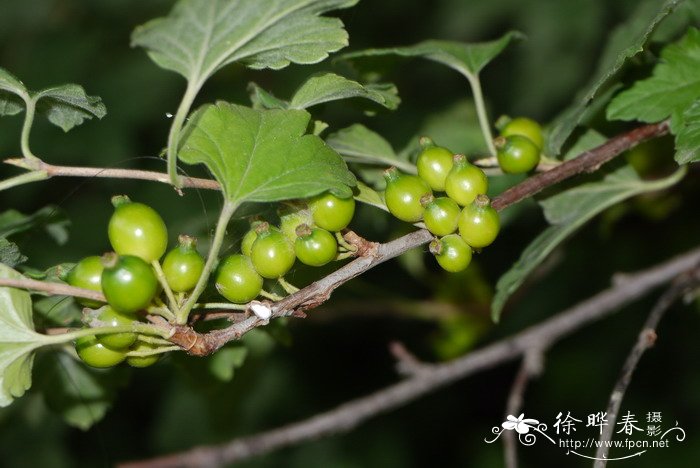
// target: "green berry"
[[330, 212], [434, 163], [183, 265], [291, 220], [403, 195], [441, 215], [113, 318], [137, 229], [451, 253], [272, 254], [315, 247], [142, 361], [95, 354], [465, 181], [128, 282], [237, 280], [479, 223], [87, 274], [524, 127], [516, 154]]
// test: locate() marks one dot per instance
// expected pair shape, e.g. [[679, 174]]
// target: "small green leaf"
[[587, 141], [568, 211], [673, 86], [80, 394], [370, 196], [12, 92], [68, 106], [263, 155], [200, 37], [625, 42], [358, 144], [468, 59], [18, 340], [225, 361], [688, 137], [10, 254], [331, 87], [262, 99]]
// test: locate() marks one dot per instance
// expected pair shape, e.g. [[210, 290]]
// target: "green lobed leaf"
[[369, 196], [68, 106], [18, 340], [673, 86], [568, 211], [199, 37], [263, 155], [224, 362], [358, 144], [80, 394], [10, 254], [625, 42], [468, 59], [331, 87], [688, 136], [262, 99], [11, 92]]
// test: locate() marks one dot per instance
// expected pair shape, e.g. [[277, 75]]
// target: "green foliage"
[[200, 37], [358, 144], [10, 254], [627, 41], [263, 155], [65, 106], [224, 363], [688, 136], [567, 212]]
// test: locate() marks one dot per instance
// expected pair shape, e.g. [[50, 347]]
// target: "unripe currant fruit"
[[237, 280], [479, 223], [521, 126], [465, 181], [403, 195], [183, 265], [137, 229], [113, 318], [315, 246], [128, 283], [292, 218], [330, 212], [87, 274], [272, 254], [249, 237], [441, 215], [95, 354], [516, 154], [142, 361], [434, 163], [451, 253]]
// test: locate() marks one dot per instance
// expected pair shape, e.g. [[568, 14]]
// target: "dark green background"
[[341, 352]]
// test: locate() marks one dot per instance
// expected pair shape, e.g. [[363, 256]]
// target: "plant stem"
[[174, 305], [175, 129], [481, 112], [162, 311], [220, 305], [142, 328], [271, 296], [153, 352], [288, 287], [226, 212], [22, 179], [153, 340], [27, 127]]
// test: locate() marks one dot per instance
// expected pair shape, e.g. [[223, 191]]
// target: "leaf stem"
[[221, 305], [136, 327], [153, 352], [226, 212], [26, 178], [174, 305], [175, 129], [27, 127], [481, 112], [287, 286]]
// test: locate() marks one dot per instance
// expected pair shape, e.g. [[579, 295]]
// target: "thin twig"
[[351, 414], [55, 289], [646, 339], [531, 366]]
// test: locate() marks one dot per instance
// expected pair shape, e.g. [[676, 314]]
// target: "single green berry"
[[479, 223], [272, 253], [315, 247], [292, 219], [403, 195], [330, 212], [142, 361], [465, 181], [87, 274], [128, 282], [516, 154], [95, 354], [434, 163], [137, 229], [441, 215], [113, 318], [237, 280], [524, 127], [183, 265], [451, 253]]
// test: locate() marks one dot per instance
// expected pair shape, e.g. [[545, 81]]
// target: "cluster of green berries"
[[306, 232], [127, 279], [465, 208], [519, 145]]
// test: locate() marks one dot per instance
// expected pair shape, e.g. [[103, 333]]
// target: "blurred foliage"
[[337, 354]]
